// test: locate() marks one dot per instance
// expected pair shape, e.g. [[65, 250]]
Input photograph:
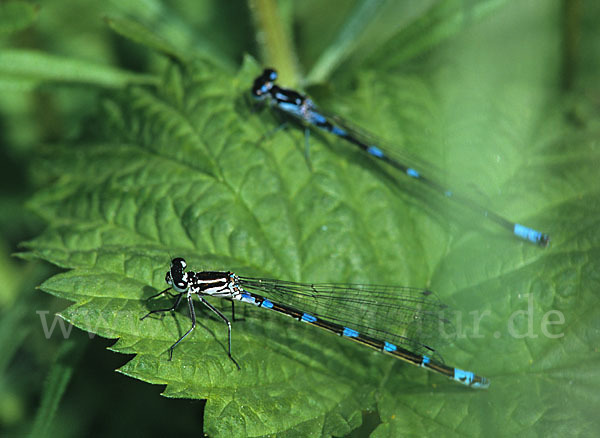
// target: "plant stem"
[[274, 40]]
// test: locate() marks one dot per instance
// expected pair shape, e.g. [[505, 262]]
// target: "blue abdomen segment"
[[247, 298], [338, 131], [348, 332], [527, 233], [465, 377], [389, 347], [469, 379], [306, 317], [375, 151], [316, 119], [413, 173]]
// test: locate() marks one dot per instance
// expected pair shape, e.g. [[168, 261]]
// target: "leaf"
[[443, 20], [58, 378], [353, 27], [21, 69], [172, 30], [16, 16], [139, 33], [191, 169]]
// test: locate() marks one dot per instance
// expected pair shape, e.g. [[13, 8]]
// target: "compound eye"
[[270, 74], [178, 262]]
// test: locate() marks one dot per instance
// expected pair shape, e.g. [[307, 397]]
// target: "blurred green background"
[[66, 388], [42, 105]]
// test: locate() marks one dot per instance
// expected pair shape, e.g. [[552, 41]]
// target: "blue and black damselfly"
[[394, 320], [302, 108]]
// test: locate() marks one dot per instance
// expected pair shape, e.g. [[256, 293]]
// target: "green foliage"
[[140, 34], [60, 374], [15, 16], [188, 167], [26, 69]]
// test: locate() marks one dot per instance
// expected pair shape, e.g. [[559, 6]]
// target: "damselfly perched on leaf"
[[302, 108], [394, 320]]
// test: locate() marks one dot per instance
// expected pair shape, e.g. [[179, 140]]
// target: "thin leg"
[[307, 148], [283, 125], [224, 318], [170, 309], [233, 318], [193, 315], [160, 293]]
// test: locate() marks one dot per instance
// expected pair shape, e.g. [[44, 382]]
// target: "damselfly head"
[[176, 277], [264, 83]]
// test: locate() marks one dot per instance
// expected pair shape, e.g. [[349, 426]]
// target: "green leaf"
[[171, 30], [191, 169], [20, 69], [354, 26], [13, 330], [58, 378], [443, 20], [140, 34], [16, 16]]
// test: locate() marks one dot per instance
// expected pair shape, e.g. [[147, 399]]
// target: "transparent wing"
[[392, 151], [409, 317]]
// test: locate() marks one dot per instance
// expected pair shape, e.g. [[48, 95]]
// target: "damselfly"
[[398, 321], [302, 108]]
